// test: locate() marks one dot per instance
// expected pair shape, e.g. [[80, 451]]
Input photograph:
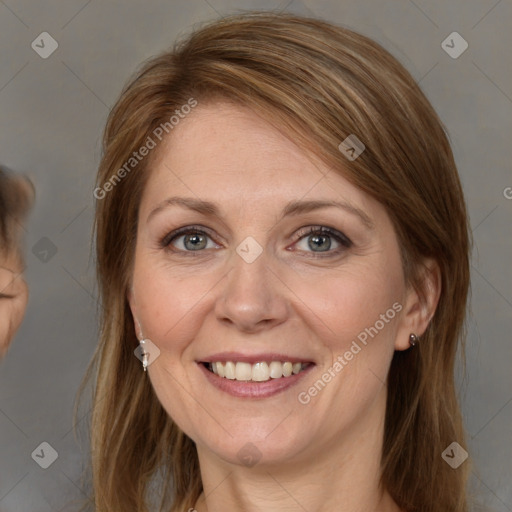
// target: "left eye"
[[322, 240]]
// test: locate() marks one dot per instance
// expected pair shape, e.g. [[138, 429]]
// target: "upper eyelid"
[[185, 230], [309, 230]]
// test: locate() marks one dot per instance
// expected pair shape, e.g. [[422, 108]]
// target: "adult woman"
[[291, 226], [16, 195]]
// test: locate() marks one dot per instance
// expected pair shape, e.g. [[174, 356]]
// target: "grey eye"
[[319, 243], [194, 241]]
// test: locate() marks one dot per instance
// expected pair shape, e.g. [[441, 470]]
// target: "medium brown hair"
[[319, 83]]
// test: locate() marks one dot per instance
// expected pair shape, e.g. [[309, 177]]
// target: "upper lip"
[[224, 357]]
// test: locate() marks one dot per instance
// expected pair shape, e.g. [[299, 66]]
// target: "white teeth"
[[221, 372], [258, 372], [276, 369], [229, 370], [287, 369], [243, 371]]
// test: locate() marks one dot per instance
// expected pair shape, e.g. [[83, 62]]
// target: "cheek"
[[351, 300], [169, 302], [354, 316]]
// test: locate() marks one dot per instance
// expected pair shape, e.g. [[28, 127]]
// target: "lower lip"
[[248, 389]]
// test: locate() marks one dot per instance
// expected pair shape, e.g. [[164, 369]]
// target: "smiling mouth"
[[258, 372]]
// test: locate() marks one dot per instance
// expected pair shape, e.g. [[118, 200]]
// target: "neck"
[[340, 474]]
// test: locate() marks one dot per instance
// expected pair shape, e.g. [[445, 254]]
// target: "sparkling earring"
[[144, 354], [413, 339]]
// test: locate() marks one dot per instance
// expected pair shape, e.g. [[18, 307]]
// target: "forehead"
[[222, 151]]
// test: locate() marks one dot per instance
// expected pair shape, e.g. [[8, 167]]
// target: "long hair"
[[319, 83]]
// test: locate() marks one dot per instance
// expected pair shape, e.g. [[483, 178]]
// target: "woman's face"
[[278, 259], [13, 298]]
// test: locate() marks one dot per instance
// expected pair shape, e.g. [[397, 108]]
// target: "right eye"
[[189, 239]]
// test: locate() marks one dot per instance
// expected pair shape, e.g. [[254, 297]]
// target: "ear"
[[419, 305]]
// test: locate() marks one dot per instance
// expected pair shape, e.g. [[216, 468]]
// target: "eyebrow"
[[292, 208]]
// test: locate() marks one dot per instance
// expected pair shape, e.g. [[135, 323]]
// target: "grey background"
[[52, 112]]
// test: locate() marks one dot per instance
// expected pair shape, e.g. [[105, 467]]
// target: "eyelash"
[[343, 240]]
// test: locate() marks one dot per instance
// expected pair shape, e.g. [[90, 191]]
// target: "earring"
[[413, 339], [144, 354]]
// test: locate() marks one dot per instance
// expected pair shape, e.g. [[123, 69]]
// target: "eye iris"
[[319, 242], [195, 241]]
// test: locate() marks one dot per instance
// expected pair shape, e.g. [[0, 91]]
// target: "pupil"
[[320, 242], [195, 241]]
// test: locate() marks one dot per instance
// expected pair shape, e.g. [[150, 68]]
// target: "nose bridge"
[[250, 274], [251, 296]]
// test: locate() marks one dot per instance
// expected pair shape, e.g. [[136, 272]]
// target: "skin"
[[323, 456], [13, 298]]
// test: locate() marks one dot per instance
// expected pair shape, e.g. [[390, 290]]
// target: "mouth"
[[254, 380], [261, 371]]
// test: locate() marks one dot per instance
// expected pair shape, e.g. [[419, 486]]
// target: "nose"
[[253, 298]]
